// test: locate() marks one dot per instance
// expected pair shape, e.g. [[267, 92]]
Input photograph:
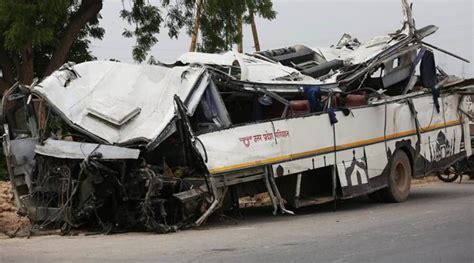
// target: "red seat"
[[355, 100], [300, 107]]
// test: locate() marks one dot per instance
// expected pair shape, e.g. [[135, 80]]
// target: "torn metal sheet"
[[80, 150], [251, 68], [149, 88]]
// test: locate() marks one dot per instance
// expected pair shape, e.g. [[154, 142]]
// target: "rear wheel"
[[399, 180]]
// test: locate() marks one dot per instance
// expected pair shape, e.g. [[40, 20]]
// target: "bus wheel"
[[399, 180]]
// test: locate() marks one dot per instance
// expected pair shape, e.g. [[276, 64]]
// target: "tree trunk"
[[240, 47], [196, 25], [254, 31], [88, 10], [26, 70], [6, 66]]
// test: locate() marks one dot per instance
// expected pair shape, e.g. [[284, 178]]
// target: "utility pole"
[[196, 24]]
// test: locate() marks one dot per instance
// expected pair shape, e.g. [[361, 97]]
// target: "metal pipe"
[[278, 196], [334, 168], [214, 204], [298, 186], [270, 192], [445, 51]]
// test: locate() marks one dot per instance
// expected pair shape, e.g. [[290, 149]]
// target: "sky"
[[319, 23]]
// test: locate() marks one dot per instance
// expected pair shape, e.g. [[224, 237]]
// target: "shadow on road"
[[432, 192]]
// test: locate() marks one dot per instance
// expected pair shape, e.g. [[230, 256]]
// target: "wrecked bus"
[[162, 147]]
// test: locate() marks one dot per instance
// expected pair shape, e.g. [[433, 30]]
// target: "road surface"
[[435, 225]]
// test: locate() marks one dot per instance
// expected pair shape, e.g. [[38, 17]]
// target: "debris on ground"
[[11, 223], [425, 180], [258, 200]]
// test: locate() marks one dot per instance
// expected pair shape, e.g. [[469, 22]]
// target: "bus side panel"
[[365, 141]]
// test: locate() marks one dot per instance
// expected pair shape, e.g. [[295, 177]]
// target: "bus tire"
[[399, 179]]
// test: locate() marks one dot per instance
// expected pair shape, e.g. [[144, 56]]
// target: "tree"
[[218, 20], [265, 11], [147, 19], [196, 25], [38, 36]]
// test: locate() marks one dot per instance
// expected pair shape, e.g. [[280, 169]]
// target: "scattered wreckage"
[[121, 147]]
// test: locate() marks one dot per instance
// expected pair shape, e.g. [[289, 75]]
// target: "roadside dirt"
[[10, 223], [425, 180]]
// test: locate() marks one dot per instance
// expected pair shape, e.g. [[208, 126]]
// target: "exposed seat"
[[356, 100], [300, 107], [323, 68]]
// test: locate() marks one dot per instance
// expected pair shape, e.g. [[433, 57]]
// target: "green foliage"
[[219, 19], [262, 8], [180, 14], [147, 20], [219, 22], [79, 51], [40, 23], [30, 22]]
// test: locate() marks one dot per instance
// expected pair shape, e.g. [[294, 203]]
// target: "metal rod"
[[334, 168], [277, 194], [298, 186], [446, 52], [214, 205], [270, 191]]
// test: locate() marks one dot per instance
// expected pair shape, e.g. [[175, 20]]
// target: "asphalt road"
[[435, 225]]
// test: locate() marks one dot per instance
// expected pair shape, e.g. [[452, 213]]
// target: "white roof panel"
[[146, 87]]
